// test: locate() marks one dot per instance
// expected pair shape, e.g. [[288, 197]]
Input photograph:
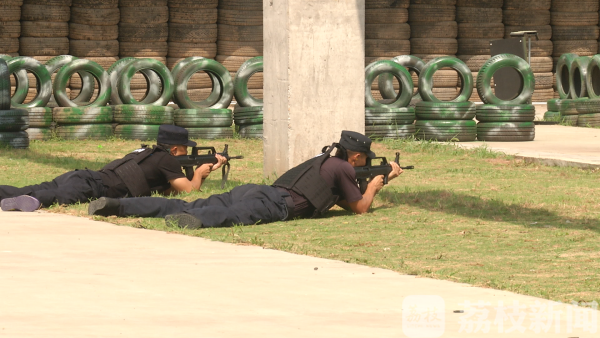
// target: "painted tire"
[[210, 133], [79, 115], [396, 116], [426, 78], [79, 66], [488, 69], [578, 77], [150, 64], [552, 116], [199, 118], [238, 110], [589, 120], [40, 134], [445, 110], [4, 86], [439, 130], [143, 114], [377, 68], [40, 117], [505, 113], [561, 105], [251, 131], [14, 120], [563, 79], [42, 77], [137, 132], [587, 106], [115, 71], [592, 80], [385, 82], [22, 82], [569, 120], [182, 64], [394, 132], [217, 99], [240, 84], [87, 88], [505, 131], [85, 132], [14, 139]]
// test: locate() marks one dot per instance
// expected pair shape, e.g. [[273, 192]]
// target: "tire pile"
[[140, 122], [44, 33], [13, 122], [387, 33], [240, 37], [10, 27], [248, 112], [534, 15], [93, 34], [193, 27], [479, 22], [77, 123]]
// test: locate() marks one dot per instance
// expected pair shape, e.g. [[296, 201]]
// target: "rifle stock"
[[188, 162]]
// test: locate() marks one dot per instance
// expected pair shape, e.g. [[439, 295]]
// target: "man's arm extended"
[[361, 206], [182, 184]]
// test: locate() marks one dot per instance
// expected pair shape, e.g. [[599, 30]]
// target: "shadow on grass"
[[454, 203], [66, 162]]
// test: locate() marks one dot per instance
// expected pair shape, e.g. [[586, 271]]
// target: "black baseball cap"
[[354, 141], [174, 135]]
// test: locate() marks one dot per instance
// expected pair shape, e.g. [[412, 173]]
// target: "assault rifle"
[[366, 173], [189, 161]]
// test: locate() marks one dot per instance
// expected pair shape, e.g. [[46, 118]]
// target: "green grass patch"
[[471, 216]]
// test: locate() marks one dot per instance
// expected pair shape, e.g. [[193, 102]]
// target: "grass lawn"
[[469, 216]]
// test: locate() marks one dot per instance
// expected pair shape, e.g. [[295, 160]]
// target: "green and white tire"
[[377, 68], [44, 89], [505, 131], [85, 132], [22, 83], [143, 114], [486, 72], [578, 77], [392, 116], [166, 79], [218, 99], [592, 80], [81, 66], [14, 139], [153, 82], [426, 110], [137, 132], [240, 83], [251, 131], [392, 131], [587, 106], [385, 82], [14, 120], [426, 78], [210, 133], [80, 115], [237, 109], [452, 130], [87, 89], [589, 120], [563, 79], [553, 116], [40, 134], [199, 118], [40, 117], [4, 86], [505, 113], [216, 88]]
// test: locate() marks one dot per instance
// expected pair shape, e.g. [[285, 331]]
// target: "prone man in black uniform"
[[307, 190], [137, 174]]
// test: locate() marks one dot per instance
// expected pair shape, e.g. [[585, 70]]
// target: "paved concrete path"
[[554, 145], [63, 276]]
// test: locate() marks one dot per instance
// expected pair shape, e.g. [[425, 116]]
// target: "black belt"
[[289, 203]]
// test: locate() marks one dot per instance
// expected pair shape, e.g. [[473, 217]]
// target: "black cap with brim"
[[354, 141], [174, 135]]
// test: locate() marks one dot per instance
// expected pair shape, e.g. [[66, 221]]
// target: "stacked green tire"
[[589, 113], [40, 123], [567, 110], [205, 123], [13, 122], [83, 123], [140, 122], [389, 122], [446, 121], [249, 121], [505, 122]]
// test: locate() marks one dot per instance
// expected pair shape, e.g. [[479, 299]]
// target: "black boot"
[[104, 206], [183, 221]]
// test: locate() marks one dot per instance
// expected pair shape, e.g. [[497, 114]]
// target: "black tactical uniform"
[[307, 190], [137, 174]]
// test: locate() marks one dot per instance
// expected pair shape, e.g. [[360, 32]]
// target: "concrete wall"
[[313, 77]]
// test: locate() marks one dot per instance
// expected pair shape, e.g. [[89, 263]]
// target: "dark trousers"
[[72, 187], [246, 204]]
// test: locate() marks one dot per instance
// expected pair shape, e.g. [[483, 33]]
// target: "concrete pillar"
[[313, 77]]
